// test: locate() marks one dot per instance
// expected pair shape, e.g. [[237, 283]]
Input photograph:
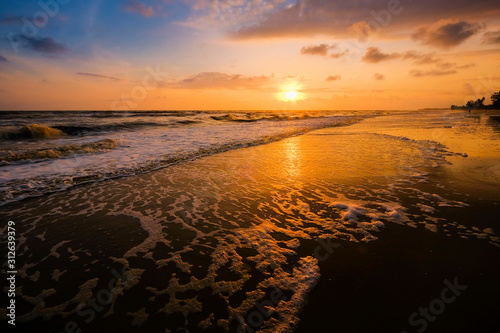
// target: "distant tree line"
[[479, 104]]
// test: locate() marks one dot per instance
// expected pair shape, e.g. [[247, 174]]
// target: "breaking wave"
[[33, 131], [79, 130], [251, 117], [142, 152], [67, 150], [36, 131]]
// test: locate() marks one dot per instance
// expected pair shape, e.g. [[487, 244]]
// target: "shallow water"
[[476, 136], [205, 244]]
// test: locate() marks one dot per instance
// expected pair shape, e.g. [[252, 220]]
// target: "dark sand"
[[375, 287]]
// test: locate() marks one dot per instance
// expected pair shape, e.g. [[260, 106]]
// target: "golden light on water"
[[293, 157]]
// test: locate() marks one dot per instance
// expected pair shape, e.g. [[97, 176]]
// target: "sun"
[[291, 94]]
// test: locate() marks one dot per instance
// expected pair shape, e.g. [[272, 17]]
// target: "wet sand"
[[236, 241], [376, 287]]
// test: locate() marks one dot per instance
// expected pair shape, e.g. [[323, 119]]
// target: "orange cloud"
[[321, 49], [333, 78], [421, 59], [217, 80], [339, 54], [361, 30], [446, 34], [435, 72], [374, 55], [491, 37]]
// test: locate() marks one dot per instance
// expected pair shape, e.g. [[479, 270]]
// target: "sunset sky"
[[237, 54]]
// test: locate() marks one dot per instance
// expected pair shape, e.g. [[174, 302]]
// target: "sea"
[[217, 221], [49, 151]]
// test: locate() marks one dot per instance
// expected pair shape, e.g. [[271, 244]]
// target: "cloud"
[[491, 37], [441, 67], [379, 77], [465, 66], [217, 80], [98, 76], [446, 34], [339, 54], [374, 55], [421, 59], [361, 30], [321, 49], [426, 59], [3, 59], [45, 45], [434, 72], [339, 18], [135, 6], [446, 65], [333, 78]]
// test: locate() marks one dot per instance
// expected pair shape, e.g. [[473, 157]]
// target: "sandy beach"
[[345, 229]]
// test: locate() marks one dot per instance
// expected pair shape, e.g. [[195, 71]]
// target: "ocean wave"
[[33, 131], [81, 130], [36, 131], [251, 117], [127, 114], [231, 117], [18, 189], [163, 113], [188, 122], [63, 151]]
